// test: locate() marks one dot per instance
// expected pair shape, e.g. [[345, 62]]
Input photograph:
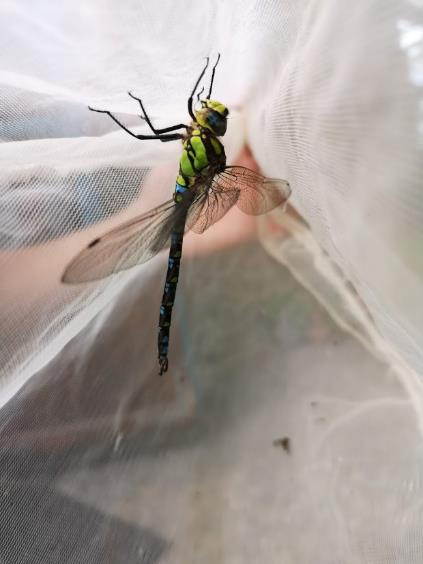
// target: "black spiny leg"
[[147, 119], [164, 138], [212, 77], [191, 113], [199, 94]]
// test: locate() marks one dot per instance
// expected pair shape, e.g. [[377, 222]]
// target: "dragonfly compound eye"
[[216, 122]]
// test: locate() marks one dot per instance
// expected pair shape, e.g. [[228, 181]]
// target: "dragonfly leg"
[[212, 76], [199, 94], [147, 119], [163, 365], [170, 137], [191, 113]]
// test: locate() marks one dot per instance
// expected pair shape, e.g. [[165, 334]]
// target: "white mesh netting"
[[102, 462]]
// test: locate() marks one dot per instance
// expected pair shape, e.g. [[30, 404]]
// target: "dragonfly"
[[205, 190]]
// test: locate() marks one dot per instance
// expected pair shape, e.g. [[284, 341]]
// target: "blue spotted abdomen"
[[168, 299]]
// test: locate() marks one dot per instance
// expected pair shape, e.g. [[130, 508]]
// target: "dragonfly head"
[[212, 115]]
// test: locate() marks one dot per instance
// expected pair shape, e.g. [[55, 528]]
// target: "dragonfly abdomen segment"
[[168, 299], [180, 189]]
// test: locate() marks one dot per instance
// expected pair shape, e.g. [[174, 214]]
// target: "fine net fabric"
[[328, 96]]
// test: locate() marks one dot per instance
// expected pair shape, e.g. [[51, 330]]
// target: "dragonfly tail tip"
[[163, 364]]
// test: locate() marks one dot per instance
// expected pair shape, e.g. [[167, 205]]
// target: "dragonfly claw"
[[163, 363], [99, 111]]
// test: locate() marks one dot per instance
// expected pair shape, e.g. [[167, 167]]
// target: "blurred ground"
[[103, 461]]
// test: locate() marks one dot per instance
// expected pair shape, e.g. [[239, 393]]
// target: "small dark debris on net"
[[285, 443]]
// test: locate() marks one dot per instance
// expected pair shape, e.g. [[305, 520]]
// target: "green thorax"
[[202, 154]]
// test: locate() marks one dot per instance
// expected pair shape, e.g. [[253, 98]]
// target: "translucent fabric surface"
[[327, 95], [103, 461]]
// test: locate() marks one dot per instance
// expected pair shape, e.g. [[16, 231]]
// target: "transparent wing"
[[210, 205], [253, 193], [257, 194], [131, 243], [139, 239]]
